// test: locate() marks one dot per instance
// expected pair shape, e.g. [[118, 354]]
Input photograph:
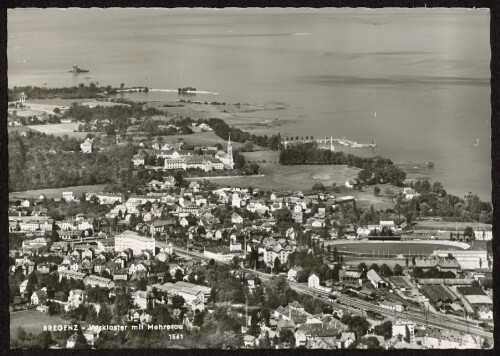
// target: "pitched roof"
[[374, 277]]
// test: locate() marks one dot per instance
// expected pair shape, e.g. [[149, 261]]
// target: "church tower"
[[331, 144], [230, 152]]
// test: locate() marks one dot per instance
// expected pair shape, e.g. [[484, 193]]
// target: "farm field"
[[33, 321], [56, 193]]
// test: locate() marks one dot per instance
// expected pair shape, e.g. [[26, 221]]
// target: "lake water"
[[425, 73]]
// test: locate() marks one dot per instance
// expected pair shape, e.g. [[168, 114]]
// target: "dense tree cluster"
[[223, 130], [384, 329], [40, 154], [77, 92], [432, 273], [110, 119], [225, 286], [356, 323], [374, 169], [435, 201]]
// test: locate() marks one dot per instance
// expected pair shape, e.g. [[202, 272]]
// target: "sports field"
[[391, 248]]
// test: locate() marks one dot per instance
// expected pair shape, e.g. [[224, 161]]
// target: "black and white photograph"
[[250, 178]]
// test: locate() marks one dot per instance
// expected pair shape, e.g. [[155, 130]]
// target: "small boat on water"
[[76, 69]]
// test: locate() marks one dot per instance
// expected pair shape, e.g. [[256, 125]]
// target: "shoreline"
[[217, 177]]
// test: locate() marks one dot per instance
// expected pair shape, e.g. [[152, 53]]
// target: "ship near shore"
[[77, 69]]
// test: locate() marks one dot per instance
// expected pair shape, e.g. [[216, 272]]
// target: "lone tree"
[[277, 265], [318, 187], [177, 301], [376, 190], [468, 232], [398, 270]]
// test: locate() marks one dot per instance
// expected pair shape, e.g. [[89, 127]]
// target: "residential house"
[[293, 273], [39, 297], [76, 298], [143, 299], [313, 281], [346, 339]]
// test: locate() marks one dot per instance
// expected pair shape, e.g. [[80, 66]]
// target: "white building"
[[68, 196], [404, 328], [193, 298], [86, 146], [22, 98], [388, 224], [96, 281], [410, 193], [293, 273], [76, 298], [236, 219], [219, 253], [138, 159], [131, 240], [483, 235], [106, 198], [313, 281], [376, 280], [467, 259]]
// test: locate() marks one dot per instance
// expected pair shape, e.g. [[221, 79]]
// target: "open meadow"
[[33, 321], [207, 138], [56, 193], [278, 177], [52, 129]]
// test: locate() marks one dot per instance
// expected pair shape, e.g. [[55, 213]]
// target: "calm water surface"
[[425, 73]]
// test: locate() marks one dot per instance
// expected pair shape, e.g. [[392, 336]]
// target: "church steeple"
[[229, 147]]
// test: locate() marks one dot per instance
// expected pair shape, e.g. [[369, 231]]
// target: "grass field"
[[200, 138], [365, 198], [55, 128], [259, 156], [28, 112], [33, 321], [277, 177], [57, 102], [57, 192]]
